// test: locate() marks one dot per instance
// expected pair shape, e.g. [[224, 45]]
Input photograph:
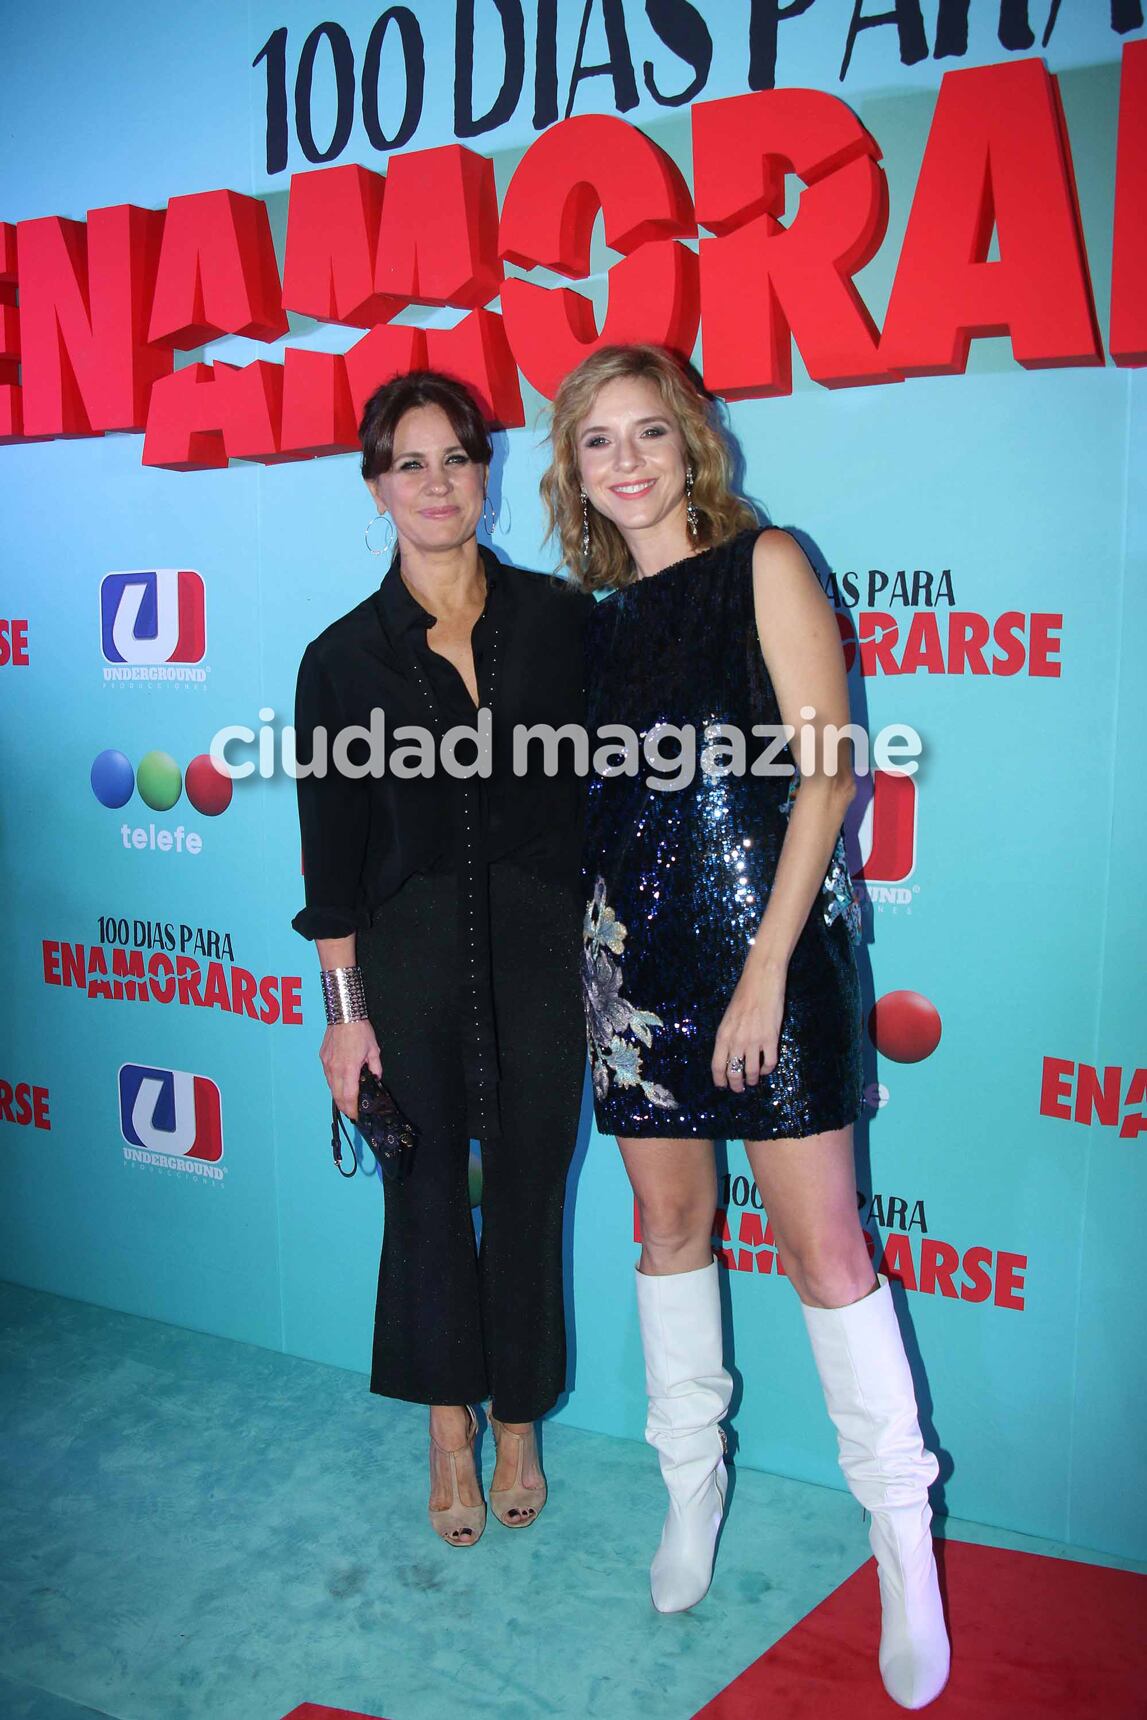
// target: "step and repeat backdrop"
[[906, 245]]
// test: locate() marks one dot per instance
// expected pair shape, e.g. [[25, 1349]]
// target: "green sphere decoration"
[[158, 780]]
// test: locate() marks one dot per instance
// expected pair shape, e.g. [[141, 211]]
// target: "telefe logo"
[[159, 782]]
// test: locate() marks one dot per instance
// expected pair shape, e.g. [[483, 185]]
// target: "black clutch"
[[390, 1136]]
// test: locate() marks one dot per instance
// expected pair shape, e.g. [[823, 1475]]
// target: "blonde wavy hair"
[[720, 513]]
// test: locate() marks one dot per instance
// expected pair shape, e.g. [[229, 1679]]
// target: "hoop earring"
[[584, 527], [690, 510], [488, 509], [391, 540]]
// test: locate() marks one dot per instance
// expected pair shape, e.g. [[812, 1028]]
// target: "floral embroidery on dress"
[[843, 902], [617, 1028]]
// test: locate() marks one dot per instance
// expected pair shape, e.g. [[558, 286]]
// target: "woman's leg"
[[427, 1334], [809, 1191], [523, 1196], [541, 1057], [808, 1188], [541, 1061], [520, 1265], [679, 1308], [675, 1186]]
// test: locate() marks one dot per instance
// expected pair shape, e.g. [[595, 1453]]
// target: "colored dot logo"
[[904, 1026], [159, 782]]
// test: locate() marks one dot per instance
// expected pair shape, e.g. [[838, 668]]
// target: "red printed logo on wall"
[[157, 961], [910, 623], [22, 1103], [887, 830], [743, 1241], [153, 625], [882, 830], [13, 644], [170, 1117], [1077, 1093], [958, 642]]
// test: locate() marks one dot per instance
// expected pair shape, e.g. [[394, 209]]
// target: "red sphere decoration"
[[904, 1026], [206, 787]]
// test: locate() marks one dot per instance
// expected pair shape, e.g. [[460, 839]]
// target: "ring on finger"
[[735, 1065]]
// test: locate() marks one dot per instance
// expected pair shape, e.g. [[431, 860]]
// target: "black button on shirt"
[[364, 837]]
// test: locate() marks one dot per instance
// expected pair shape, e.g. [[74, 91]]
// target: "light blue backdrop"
[[1022, 920]]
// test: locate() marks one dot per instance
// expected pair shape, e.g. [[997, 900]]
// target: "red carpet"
[[316, 1711], [1032, 1639]]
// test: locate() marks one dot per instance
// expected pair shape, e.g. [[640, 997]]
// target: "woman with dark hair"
[[442, 894], [719, 974]]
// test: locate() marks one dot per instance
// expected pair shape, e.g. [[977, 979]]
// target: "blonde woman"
[[719, 973]]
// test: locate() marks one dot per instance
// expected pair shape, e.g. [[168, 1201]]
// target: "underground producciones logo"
[[172, 1119], [153, 626], [881, 830]]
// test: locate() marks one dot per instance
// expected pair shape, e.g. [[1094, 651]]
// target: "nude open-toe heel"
[[517, 1506], [457, 1524]]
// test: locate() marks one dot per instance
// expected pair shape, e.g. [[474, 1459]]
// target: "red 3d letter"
[[204, 414], [764, 285], [11, 409], [217, 272], [332, 242], [477, 352], [86, 365], [997, 157], [1128, 335], [438, 242], [318, 413], [576, 168], [385, 351]]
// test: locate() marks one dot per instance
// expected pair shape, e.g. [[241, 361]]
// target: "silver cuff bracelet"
[[343, 994]]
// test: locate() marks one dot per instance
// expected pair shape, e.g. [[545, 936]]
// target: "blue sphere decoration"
[[113, 779]]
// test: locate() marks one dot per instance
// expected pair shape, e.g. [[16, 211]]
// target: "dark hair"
[[388, 404]]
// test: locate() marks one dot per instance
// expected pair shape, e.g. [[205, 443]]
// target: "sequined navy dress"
[[677, 880]]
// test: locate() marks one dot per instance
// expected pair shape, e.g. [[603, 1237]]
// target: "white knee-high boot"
[[689, 1392], [870, 1397]]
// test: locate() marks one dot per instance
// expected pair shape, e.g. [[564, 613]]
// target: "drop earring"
[[584, 527], [690, 510], [392, 535]]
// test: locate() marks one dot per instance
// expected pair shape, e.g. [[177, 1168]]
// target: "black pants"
[[454, 1323]]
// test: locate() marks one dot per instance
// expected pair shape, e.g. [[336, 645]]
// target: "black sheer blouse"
[[363, 837]]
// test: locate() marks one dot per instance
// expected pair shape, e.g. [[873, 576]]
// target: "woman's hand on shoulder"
[[346, 1046]]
